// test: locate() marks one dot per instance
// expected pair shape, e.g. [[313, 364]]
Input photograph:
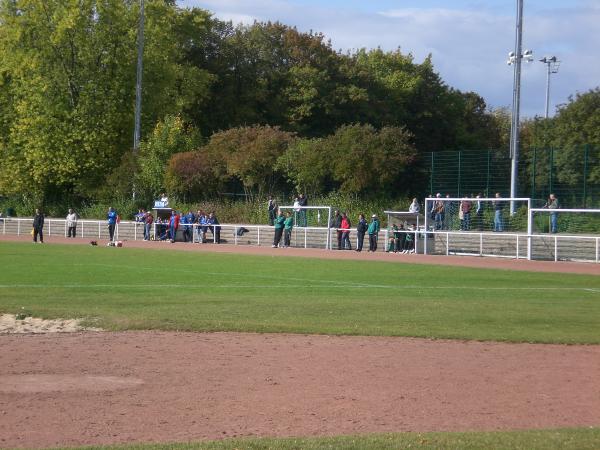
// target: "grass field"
[[120, 289], [579, 439]]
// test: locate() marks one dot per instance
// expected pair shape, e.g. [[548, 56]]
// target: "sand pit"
[[11, 323]]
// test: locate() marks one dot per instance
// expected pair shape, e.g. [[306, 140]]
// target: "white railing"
[[322, 237], [519, 238]]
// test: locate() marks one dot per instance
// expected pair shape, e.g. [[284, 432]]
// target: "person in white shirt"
[[71, 223], [414, 207]]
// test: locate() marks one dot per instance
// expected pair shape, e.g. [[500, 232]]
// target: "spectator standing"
[[38, 226], [465, 208], [498, 226], [279, 225], [149, 220], [552, 203], [439, 212], [189, 226], [288, 224], [361, 229], [272, 208], [414, 207], [479, 212], [336, 223], [346, 226], [214, 228], [303, 202], [373, 231], [71, 223], [111, 218], [173, 226]]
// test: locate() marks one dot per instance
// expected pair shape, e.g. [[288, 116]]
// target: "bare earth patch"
[[9, 323], [132, 387]]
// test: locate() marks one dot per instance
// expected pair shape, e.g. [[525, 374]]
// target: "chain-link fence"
[[572, 174]]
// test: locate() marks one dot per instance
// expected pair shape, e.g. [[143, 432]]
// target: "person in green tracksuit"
[[373, 231], [287, 230], [279, 224]]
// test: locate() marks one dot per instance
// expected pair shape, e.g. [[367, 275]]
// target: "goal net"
[[311, 225], [472, 214]]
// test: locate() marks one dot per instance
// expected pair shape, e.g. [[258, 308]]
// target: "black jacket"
[[38, 221]]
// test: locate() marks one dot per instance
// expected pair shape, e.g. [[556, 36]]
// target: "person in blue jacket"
[[112, 222]]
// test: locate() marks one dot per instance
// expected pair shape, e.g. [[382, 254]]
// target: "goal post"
[[473, 216], [476, 214], [311, 218]]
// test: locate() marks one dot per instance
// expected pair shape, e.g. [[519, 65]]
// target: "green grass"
[[126, 288], [575, 439]]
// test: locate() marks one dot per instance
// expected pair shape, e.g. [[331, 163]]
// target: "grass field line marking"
[[226, 274], [293, 286]]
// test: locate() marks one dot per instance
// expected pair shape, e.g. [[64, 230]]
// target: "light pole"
[[138, 85], [514, 58], [552, 64]]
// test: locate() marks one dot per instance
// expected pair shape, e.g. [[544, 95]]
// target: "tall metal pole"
[[514, 128], [547, 90], [138, 85], [552, 64]]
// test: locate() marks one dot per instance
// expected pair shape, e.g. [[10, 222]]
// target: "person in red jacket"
[[173, 225], [346, 232]]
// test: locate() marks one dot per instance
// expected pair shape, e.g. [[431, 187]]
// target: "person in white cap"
[[373, 231]]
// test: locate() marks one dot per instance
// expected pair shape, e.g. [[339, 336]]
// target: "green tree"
[[368, 162], [170, 136], [250, 155], [307, 165], [68, 71]]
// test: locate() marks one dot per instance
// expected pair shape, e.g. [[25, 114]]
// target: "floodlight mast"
[[138, 86], [552, 64], [514, 58]]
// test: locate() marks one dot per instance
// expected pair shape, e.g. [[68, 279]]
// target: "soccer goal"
[[476, 214], [311, 225]]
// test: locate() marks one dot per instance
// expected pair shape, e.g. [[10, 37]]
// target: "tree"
[[307, 166], [170, 136], [193, 175], [368, 162], [68, 88], [249, 154]]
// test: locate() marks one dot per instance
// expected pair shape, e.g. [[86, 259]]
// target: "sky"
[[469, 40]]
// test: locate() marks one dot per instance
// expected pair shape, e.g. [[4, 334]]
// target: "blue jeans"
[[553, 222], [438, 221], [498, 220]]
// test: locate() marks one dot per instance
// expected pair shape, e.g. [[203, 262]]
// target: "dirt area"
[[89, 388], [106, 388]]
